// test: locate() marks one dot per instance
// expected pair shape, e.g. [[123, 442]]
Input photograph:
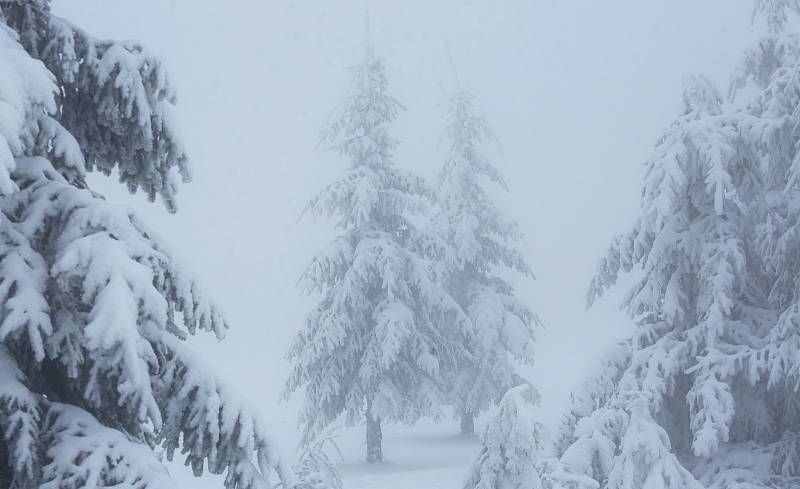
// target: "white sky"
[[577, 92]]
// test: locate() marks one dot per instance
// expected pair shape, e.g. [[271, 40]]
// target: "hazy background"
[[577, 92]]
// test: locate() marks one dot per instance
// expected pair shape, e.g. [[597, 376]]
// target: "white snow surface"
[[427, 455]]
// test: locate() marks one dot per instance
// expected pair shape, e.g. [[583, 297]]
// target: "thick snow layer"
[[440, 478], [425, 456]]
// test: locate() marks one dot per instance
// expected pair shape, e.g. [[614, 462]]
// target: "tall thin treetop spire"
[[367, 36], [452, 64]]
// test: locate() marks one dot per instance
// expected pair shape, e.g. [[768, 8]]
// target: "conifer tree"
[[484, 241], [383, 336], [510, 443], [94, 371], [706, 394], [511, 455]]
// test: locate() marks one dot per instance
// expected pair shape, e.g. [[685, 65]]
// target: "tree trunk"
[[374, 437], [467, 424]]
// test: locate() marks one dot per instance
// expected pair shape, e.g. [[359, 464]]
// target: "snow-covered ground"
[[426, 455], [434, 478]]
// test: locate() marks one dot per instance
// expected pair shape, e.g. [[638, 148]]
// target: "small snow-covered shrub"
[[314, 468], [510, 445]]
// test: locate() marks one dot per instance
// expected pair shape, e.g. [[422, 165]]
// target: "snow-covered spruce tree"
[[94, 312], [483, 240], [509, 445], [511, 455], [384, 335], [715, 352]]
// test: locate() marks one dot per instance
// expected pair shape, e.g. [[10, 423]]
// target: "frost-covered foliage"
[[511, 455], [383, 335], [593, 394], [314, 468], [114, 100], [94, 373], [645, 459], [554, 474], [706, 392], [483, 241], [509, 445]]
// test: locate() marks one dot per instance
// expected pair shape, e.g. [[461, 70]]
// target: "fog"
[[577, 92]]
